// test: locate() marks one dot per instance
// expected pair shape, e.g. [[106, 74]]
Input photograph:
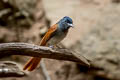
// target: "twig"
[[37, 51], [44, 70]]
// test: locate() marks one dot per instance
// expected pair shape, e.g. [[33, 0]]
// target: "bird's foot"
[[52, 46], [55, 47]]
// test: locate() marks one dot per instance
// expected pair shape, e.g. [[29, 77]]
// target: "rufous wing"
[[48, 35]]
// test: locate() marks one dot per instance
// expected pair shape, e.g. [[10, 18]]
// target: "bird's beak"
[[71, 25]]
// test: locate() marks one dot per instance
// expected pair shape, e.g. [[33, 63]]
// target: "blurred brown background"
[[96, 35]]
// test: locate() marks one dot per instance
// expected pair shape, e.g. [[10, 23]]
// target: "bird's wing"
[[48, 35]]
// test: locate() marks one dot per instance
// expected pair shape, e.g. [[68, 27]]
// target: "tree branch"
[[37, 51], [10, 69]]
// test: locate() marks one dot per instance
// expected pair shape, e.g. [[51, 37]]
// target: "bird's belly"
[[56, 39]]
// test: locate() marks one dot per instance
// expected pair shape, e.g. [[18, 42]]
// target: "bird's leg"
[[58, 46], [54, 46]]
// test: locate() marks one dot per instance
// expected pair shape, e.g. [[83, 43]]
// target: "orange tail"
[[32, 64]]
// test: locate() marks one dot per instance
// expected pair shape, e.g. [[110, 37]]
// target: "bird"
[[52, 37]]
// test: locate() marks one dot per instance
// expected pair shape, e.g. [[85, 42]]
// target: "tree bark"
[[37, 51], [10, 69]]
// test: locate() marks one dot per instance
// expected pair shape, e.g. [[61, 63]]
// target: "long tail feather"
[[32, 64]]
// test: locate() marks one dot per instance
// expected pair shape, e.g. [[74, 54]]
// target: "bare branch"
[[44, 70], [10, 69], [37, 51]]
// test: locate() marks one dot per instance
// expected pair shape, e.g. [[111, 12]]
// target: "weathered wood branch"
[[37, 51], [10, 69]]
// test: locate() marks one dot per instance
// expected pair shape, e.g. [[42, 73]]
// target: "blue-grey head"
[[65, 23]]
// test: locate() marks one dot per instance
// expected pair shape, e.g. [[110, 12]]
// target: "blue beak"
[[71, 25]]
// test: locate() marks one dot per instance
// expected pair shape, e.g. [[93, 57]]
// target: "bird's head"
[[65, 23]]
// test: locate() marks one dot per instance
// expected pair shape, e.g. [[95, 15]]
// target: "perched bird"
[[53, 36]]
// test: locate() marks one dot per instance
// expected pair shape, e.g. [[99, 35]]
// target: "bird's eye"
[[68, 21]]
